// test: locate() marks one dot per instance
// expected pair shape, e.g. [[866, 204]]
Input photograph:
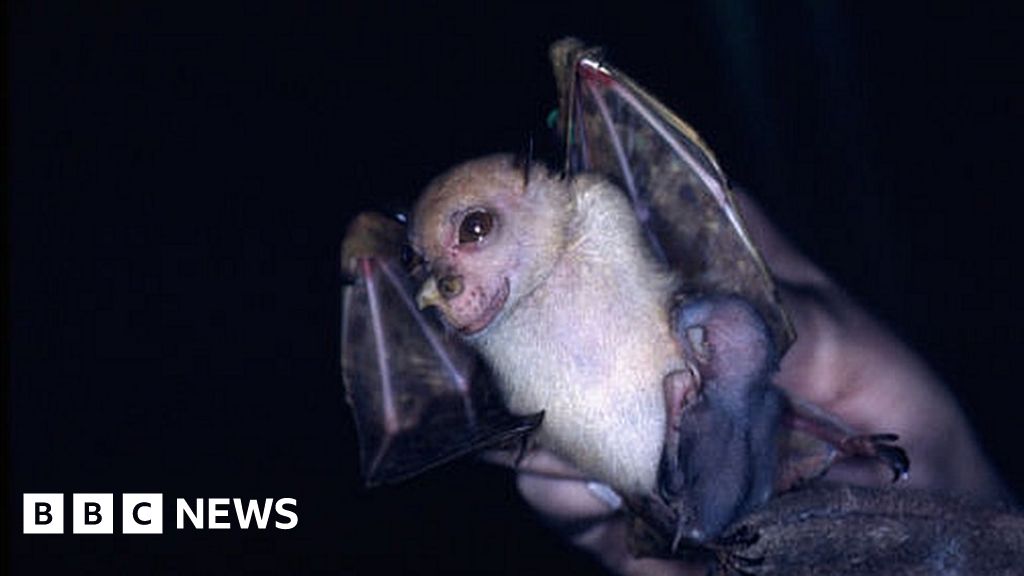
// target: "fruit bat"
[[616, 313]]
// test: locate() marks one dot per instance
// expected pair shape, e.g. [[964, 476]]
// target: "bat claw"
[[897, 460], [881, 447]]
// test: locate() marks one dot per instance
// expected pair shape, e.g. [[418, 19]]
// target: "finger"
[[567, 503], [534, 461], [554, 486]]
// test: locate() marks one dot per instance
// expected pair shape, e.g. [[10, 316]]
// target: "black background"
[[180, 178]]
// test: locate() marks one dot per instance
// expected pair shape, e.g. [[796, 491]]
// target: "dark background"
[[180, 178]]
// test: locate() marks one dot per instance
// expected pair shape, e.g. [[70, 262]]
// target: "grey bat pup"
[[550, 279]]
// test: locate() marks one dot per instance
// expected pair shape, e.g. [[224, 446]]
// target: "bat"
[[495, 323]]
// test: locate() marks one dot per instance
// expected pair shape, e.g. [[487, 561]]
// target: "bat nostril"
[[450, 286]]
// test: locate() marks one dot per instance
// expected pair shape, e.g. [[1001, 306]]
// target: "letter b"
[[43, 514], [92, 514]]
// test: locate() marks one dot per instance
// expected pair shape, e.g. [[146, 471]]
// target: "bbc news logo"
[[143, 513]]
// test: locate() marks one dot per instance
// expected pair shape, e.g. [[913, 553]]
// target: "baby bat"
[[622, 313]]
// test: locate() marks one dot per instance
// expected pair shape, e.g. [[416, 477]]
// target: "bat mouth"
[[489, 313]]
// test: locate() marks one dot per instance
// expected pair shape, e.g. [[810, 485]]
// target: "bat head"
[[488, 232]]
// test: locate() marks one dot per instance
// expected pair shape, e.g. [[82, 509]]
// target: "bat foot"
[[881, 447]]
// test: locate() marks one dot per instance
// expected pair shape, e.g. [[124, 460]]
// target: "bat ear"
[[523, 162]]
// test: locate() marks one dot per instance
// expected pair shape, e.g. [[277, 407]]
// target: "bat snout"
[[436, 291], [429, 295]]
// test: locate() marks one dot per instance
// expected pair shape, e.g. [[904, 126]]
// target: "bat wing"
[[614, 127], [416, 395]]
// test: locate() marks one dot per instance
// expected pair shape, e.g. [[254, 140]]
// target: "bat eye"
[[475, 226]]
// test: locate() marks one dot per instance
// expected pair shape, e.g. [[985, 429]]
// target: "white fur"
[[590, 345]]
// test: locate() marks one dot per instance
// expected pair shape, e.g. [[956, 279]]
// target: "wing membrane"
[[614, 127]]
